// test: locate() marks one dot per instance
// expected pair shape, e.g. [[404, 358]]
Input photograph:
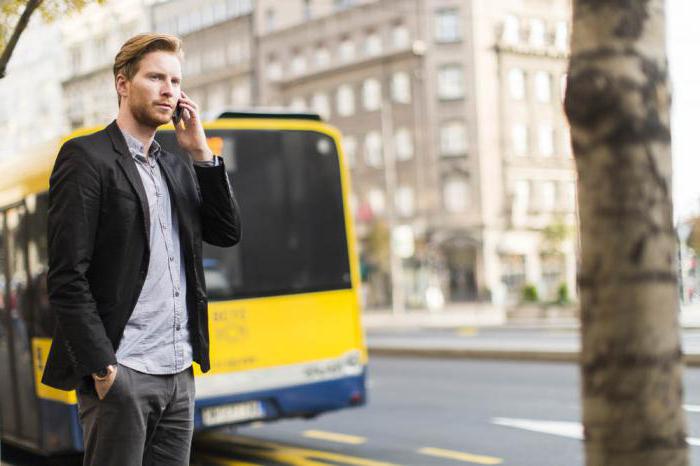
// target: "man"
[[126, 283]]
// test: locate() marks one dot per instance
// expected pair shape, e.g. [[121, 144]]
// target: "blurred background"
[[463, 182]]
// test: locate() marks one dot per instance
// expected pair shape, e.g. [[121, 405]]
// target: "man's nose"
[[168, 89]]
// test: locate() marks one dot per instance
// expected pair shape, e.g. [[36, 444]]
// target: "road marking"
[[460, 456], [334, 437], [467, 331], [202, 460], [572, 430], [223, 444], [562, 429]]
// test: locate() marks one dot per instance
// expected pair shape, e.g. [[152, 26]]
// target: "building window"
[[548, 196], [403, 142], [298, 104], [448, 26], [516, 83], [373, 44], [520, 140], [219, 10], [511, 30], [456, 195], [235, 52], [375, 198], [400, 37], [371, 94], [404, 201], [274, 69], [76, 59], [350, 150], [347, 50], [270, 20], [345, 100], [537, 33], [546, 140], [207, 16], [562, 86], [513, 273], [566, 141], [561, 36], [373, 149], [543, 86], [322, 57], [553, 267], [453, 139], [319, 102], [240, 95], [184, 24], [451, 82], [401, 87], [570, 190], [298, 63], [521, 197]]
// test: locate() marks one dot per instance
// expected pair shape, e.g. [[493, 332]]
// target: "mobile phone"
[[177, 113]]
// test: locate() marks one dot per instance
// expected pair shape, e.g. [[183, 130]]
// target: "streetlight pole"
[[398, 305]]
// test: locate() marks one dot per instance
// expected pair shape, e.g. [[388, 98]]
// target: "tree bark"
[[617, 102], [14, 38]]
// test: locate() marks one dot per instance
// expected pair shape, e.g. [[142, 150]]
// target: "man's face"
[[153, 92]]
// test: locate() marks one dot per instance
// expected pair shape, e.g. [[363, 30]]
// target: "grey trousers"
[[144, 420]]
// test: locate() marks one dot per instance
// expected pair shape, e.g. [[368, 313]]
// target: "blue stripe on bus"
[[297, 400]]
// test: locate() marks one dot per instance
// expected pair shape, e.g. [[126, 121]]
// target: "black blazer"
[[98, 229]]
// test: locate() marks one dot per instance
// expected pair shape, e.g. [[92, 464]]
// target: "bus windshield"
[[293, 240]]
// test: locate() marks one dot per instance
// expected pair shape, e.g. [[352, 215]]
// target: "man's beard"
[[143, 116]]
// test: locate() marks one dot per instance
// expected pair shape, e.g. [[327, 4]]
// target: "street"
[[556, 339], [425, 412]]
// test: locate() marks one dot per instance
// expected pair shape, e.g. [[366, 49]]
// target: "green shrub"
[[529, 294], [563, 294]]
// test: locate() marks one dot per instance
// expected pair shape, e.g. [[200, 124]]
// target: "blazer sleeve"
[[74, 205], [219, 213]]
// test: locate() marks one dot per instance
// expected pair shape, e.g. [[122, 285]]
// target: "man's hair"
[[132, 52]]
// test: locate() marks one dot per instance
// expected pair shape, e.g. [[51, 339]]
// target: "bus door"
[[20, 417]]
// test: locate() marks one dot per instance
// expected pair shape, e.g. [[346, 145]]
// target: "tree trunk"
[[618, 105]]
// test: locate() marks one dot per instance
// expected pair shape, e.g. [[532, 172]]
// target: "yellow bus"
[[284, 312]]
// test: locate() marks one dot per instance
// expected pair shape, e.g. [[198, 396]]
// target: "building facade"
[[461, 103]]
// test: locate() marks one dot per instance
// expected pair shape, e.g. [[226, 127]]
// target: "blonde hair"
[[132, 52]]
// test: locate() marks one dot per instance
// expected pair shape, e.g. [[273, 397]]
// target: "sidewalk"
[[382, 325]]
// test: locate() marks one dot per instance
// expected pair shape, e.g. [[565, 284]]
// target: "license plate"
[[234, 412]]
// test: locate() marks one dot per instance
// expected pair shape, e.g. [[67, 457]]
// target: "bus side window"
[[42, 321]]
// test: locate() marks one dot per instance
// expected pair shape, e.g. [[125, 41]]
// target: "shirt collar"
[[136, 147]]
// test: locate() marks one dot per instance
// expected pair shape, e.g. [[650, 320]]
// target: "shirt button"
[[172, 258], [177, 293], [178, 327]]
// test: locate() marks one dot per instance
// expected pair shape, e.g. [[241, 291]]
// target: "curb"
[[464, 353], [525, 355]]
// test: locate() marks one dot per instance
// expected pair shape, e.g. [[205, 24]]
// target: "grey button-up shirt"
[[156, 339]]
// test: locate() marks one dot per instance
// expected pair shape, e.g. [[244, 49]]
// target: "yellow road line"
[[460, 456], [289, 454], [467, 331], [216, 461], [334, 437]]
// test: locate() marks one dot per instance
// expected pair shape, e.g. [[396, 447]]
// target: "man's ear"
[[121, 85]]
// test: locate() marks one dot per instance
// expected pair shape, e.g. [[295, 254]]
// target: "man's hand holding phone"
[[189, 130]]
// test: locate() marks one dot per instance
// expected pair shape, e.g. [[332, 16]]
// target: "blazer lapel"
[[127, 164]]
